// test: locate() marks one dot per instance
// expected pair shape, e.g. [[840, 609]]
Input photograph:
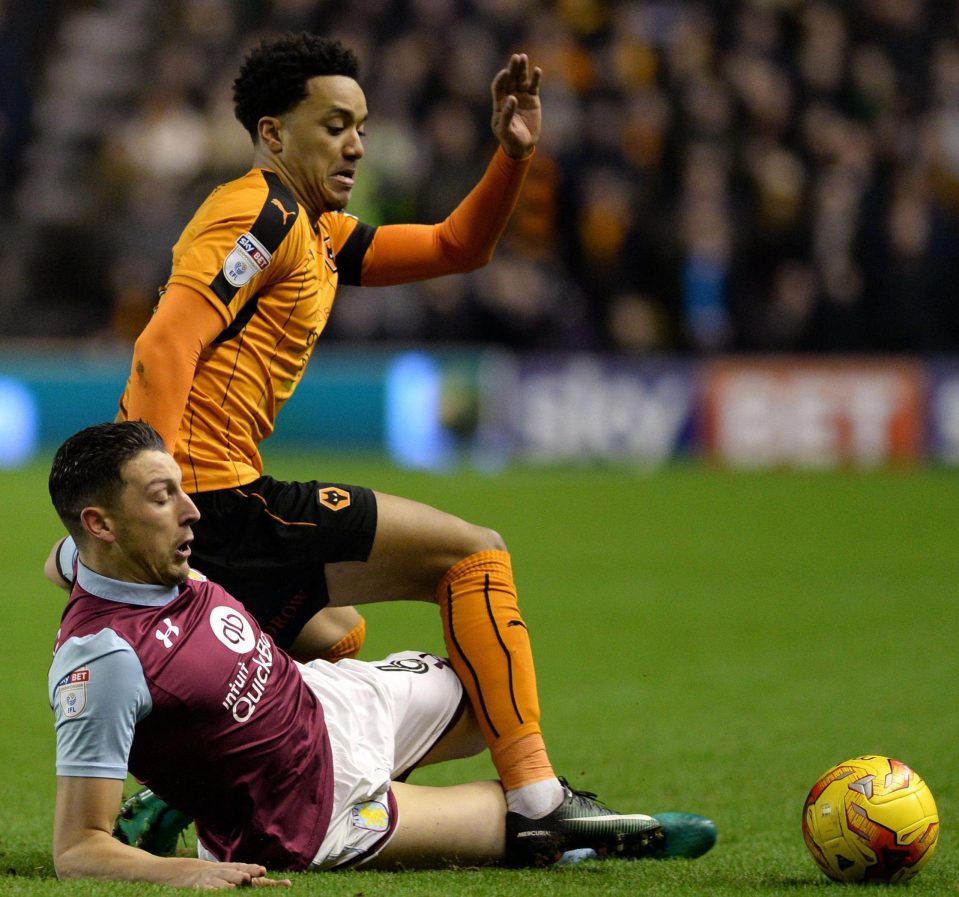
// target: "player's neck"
[[264, 159]]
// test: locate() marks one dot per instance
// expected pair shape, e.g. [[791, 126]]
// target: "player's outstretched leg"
[[583, 823]]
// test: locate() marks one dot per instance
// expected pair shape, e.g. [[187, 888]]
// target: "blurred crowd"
[[714, 176]]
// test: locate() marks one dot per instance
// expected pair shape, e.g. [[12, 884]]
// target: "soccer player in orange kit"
[[253, 282]]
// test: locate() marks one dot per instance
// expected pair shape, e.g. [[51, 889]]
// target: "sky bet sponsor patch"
[[247, 259], [72, 692]]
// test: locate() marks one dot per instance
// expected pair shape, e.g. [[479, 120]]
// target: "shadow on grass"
[[807, 883], [27, 863]]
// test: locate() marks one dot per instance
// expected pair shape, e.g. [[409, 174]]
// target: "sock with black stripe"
[[489, 647]]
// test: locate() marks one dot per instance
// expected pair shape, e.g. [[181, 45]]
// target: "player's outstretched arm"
[[517, 113], [165, 357], [83, 846], [467, 239]]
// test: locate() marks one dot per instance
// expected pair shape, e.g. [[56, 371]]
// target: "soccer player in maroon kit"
[[161, 673]]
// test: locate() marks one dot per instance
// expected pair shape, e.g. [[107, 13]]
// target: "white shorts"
[[382, 717]]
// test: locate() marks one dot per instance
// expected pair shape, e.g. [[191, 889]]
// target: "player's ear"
[[96, 524], [269, 130]]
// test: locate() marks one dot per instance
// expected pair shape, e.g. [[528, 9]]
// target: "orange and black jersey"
[[253, 255], [212, 383]]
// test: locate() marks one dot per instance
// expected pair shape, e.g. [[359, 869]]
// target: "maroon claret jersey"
[[182, 688]]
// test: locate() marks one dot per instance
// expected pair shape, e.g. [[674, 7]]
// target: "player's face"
[[152, 522], [323, 142]]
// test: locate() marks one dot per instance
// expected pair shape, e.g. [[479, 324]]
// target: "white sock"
[[537, 799]]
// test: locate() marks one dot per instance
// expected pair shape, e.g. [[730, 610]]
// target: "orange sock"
[[489, 647], [349, 645]]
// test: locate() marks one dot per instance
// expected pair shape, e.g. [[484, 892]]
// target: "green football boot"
[[582, 827], [145, 821]]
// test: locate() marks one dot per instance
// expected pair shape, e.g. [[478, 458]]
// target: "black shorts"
[[266, 544]]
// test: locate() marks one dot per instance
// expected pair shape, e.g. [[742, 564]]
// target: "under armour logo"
[[171, 630], [283, 211]]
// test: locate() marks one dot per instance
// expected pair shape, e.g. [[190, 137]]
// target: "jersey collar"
[[144, 594]]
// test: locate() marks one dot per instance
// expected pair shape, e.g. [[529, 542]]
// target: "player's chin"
[[337, 200], [176, 574]]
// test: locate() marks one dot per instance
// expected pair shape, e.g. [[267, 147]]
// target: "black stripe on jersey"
[[239, 322], [274, 222], [349, 260]]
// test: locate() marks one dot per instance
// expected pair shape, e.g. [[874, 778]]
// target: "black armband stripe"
[[349, 260]]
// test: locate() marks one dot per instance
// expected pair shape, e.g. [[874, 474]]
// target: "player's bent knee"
[[469, 541], [485, 539], [332, 634]]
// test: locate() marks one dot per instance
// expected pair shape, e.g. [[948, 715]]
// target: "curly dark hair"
[[273, 76], [88, 467]]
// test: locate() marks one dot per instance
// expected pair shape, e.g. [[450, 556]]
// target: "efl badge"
[[371, 815], [247, 259], [333, 498], [72, 692]]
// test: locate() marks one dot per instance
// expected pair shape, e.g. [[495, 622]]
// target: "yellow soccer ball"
[[871, 818]]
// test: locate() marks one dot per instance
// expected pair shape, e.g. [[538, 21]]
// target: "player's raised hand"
[[517, 115]]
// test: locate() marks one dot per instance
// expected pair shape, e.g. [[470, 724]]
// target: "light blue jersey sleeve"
[[98, 693]]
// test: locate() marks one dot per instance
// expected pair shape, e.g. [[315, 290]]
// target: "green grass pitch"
[[706, 641]]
